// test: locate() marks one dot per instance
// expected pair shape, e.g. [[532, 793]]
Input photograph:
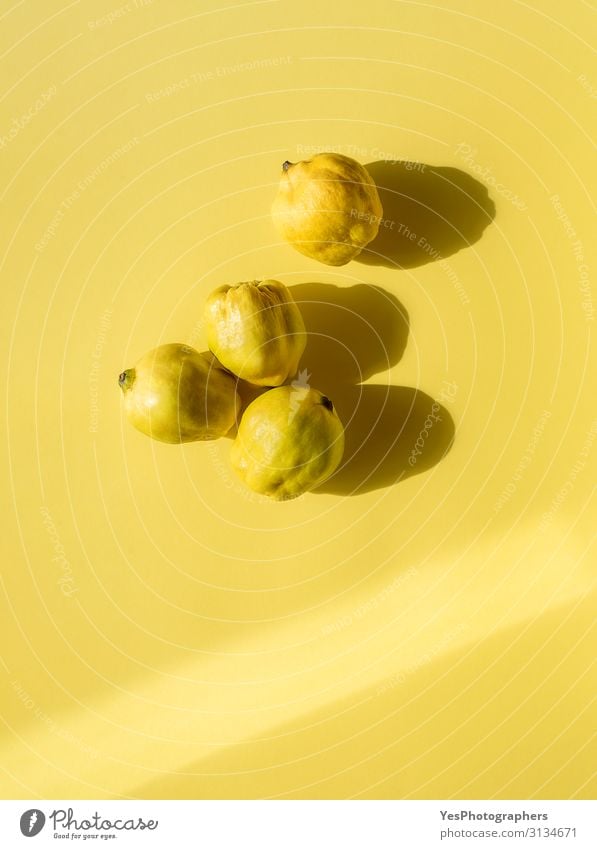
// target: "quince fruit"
[[327, 207], [174, 394], [290, 440], [256, 331]]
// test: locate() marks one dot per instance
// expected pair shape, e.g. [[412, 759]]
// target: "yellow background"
[[165, 634]]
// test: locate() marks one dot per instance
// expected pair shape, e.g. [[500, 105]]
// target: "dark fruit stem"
[[126, 379], [327, 403], [286, 165]]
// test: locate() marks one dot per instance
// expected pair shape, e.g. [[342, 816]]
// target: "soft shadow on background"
[[429, 213], [382, 425], [353, 334]]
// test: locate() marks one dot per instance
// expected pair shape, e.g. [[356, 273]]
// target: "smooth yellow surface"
[[165, 634]]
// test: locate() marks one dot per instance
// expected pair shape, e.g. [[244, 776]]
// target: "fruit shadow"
[[391, 433], [352, 333], [429, 213]]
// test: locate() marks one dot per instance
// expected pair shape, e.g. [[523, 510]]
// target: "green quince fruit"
[[256, 331], [290, 440], [175, 394], [327, 207]]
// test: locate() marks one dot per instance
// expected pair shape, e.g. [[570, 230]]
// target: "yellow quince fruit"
[[290, 440], [174, 394], [327, 207], [256, 331]]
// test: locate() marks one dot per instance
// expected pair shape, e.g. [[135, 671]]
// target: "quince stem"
[[126, 379]]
